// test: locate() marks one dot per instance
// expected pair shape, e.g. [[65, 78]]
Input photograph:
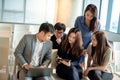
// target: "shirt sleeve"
[[78, 61], [107, 56], [76, 25]]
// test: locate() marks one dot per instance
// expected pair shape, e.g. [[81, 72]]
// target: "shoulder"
[[108, 50], [80, 17], [29, 36], [48, 43], [53, 37], [64, 35], [89, 47]]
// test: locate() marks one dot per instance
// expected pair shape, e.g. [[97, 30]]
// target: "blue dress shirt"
[[86, 34]]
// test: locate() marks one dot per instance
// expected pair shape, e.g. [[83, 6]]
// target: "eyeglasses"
[[59, 31]]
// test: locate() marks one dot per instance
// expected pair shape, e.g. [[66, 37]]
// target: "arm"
[[79, 61], [77, 21], [47, 57], [20, 51], [89, 50], [102, 68], [106, 59]]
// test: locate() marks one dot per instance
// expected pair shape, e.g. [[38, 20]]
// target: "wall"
[[68, 10], [5, 36]]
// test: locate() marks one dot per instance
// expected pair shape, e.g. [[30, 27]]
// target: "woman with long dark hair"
[[88, 24], [100, 53], [70, 56]]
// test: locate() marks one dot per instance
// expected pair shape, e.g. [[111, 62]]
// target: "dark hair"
[[77, 50], [102, 45], [46, 27], [93, 9], [60, 26]]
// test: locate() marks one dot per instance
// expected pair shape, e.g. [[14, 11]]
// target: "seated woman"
[[70, 56], [100, 53]]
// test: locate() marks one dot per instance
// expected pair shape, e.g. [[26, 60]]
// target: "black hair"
[[93, 9], [46, 27], [60, 26]]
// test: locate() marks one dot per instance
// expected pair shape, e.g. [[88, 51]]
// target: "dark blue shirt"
[[86, 34], [74, 61]]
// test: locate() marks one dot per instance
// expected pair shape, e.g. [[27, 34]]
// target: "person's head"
[[46, 30], [91, 16], [100, 42], [99, 39], [74, 37], [59, 29], [73, 41]]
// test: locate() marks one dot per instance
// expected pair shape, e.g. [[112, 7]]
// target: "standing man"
[[34, 50]]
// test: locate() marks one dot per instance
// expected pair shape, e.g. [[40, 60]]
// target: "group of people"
[[85, 37]]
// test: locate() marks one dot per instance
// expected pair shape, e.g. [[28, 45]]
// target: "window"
[[116, 48], [14, 5], [50, 11], [27, 11], [0, 9], [13, 11], [115, 16], [35, 11], [13, 17], [103, 14]]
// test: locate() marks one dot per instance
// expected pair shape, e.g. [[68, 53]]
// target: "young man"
[[34, 50], [59, 35]]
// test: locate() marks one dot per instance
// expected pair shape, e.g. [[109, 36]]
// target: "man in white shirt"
[[34, 50]]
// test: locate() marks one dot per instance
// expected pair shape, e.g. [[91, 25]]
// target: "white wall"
[[68, 10]]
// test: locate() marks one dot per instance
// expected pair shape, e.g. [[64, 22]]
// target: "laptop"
[[39, 72]]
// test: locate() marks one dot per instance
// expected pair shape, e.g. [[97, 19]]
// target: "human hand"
[[58, 59], [42, 66], [27, 67], [58, 40], [85, 53], [66, 62], [87, 71], [82, 65]]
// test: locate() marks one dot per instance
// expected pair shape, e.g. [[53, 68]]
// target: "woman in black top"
[[70, 56]]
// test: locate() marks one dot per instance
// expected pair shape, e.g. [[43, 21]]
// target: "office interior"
[[19, 17]]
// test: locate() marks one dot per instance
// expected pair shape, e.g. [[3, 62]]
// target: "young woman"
[[100, 53], [70, 56], [88, 24]]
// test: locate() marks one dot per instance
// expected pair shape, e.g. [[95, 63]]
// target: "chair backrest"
[[53, 62]]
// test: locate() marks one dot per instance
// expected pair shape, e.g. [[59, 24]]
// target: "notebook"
[[39, 72]]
